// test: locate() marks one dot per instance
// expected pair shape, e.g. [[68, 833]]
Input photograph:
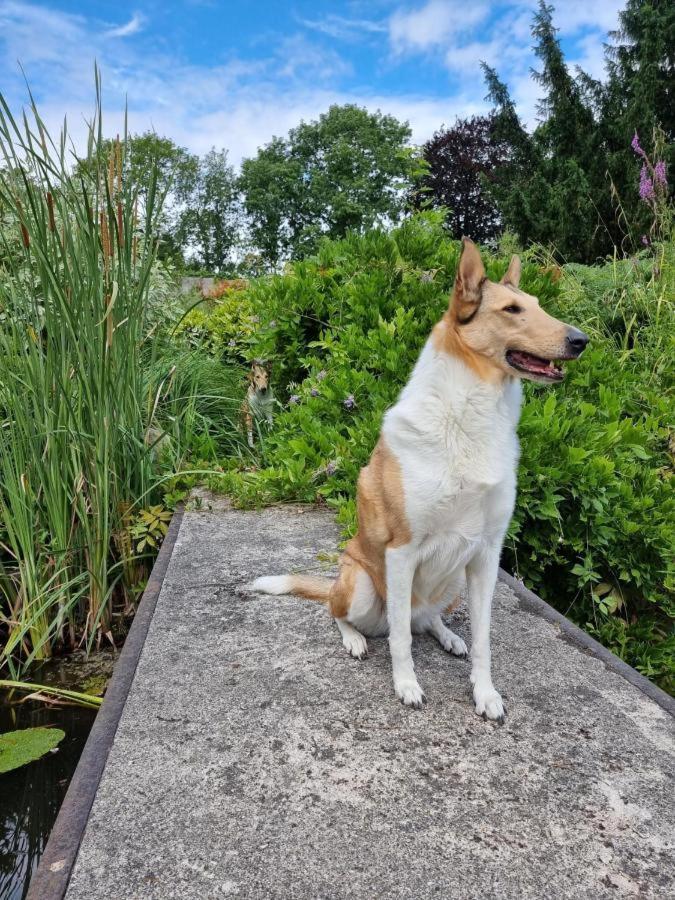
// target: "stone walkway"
[[254, 758]]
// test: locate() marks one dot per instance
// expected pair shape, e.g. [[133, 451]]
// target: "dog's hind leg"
[[447, 639], [354, 642], [354, 605]]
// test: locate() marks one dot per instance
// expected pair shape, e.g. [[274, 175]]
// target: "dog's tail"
[[309, 586]]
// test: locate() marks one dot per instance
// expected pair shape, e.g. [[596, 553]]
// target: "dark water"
[[30, 797]]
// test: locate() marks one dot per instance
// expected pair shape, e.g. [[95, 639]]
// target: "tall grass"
[[76, 255]]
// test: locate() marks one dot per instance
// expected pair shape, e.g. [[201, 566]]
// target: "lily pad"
[[20, 747]]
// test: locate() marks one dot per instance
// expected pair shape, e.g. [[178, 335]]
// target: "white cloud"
[[241, 103], [133, 26], [572, 15], [343, 29], [433, 24]]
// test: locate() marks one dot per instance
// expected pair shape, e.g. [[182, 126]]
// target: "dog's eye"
[[514, 308]]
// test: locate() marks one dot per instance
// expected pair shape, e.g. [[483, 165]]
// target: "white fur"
[[261, 408], [454, 437], [272, 584]]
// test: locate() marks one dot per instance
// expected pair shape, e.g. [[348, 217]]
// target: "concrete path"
[[254, 758]]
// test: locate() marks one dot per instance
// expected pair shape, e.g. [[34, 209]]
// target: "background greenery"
[[118, 391], [594, 525]]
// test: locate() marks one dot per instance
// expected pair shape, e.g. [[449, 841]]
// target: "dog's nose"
[[576, 340], [263, 390]]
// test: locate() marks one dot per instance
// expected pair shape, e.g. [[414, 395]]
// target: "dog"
[[259, 403], [437, 495]]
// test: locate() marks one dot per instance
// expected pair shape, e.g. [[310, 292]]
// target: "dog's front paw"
[[488, 703], [410, 693]]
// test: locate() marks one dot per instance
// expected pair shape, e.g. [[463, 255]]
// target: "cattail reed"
[[25, 237], [50, 209], [105, 242], [120, 224], [72, 436]]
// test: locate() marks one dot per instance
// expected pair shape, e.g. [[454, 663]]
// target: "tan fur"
[[311, 587], [382, 523], [477, 329], [258, 379], [447, 338]]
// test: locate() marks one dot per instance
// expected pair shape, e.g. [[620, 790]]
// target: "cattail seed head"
[[50, 209]]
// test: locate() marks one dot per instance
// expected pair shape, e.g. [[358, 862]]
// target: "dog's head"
[[506, 326], [259, 376]]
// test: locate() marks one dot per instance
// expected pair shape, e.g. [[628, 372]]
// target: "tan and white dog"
[[436, 497], [258, 406]]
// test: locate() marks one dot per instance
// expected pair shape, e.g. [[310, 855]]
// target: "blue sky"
[[233, 74]]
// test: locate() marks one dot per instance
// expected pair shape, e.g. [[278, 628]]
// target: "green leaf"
[[17, 748]]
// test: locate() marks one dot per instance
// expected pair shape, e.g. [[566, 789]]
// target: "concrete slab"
[[255, 759]]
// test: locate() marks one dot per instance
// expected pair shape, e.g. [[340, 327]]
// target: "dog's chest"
[[458, 451], [260, 405]]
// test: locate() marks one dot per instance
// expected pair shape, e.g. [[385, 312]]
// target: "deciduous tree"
[[350, 169]]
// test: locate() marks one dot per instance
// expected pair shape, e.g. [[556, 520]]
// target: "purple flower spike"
[[645, 240], [646, 184], [314, 392], [293, 399], [331, 468], [321, 375], [349, 402], [635, 144], [660, 173], [232, 343]]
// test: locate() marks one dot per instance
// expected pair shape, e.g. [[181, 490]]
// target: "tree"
[[573, 182], [211, 221], [554, 189], [638, 98], [460, 160], [641, 66], [176, 172], [348, 170]]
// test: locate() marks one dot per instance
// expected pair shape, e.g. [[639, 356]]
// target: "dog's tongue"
[[533, 363]]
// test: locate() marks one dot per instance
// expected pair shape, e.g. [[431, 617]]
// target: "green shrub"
[[593, 527]]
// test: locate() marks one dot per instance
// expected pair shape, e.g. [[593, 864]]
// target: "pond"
[[30, 796]]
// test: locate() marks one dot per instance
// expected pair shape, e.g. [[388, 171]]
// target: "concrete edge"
[[574, 635], [55, 868]]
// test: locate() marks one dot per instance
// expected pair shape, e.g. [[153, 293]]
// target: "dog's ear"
[[469, 282], [512, 275]]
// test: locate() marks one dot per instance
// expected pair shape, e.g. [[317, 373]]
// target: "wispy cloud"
[[248, 93], [344, 29], [133, 26], [433, 24]]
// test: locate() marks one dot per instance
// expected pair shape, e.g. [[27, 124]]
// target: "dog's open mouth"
[[546, 369]]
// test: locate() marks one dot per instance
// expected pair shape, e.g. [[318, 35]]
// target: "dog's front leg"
[[481, 575], [400, 568]]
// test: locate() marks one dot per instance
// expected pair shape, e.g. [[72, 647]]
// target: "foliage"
[[150, 528], [56, 695], [17, 748], [209, 226], [551, 194], [225, 324], [348, 170], [571, 184], [197, 405], [460, 159], [593, 528], [84, 312], [151, 160]]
